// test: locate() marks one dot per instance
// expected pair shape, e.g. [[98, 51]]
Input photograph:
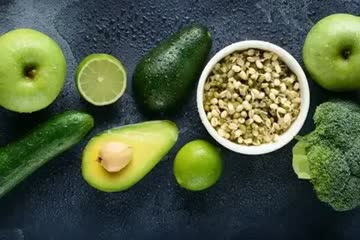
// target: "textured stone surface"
[[256, 198]]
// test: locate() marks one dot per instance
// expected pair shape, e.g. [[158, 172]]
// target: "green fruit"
[[198, 165], [332, 52], [163, 79], [21, 158], [32, 70], [101, 79], [149, 142]]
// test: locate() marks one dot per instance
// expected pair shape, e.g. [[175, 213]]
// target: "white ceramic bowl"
[[295, 67]]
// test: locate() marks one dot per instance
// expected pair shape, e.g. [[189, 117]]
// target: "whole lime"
[[198, 165]]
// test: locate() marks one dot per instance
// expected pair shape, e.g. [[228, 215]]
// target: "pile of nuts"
[[251, 97]]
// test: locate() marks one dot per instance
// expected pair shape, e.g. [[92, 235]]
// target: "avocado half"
[[150, 142]]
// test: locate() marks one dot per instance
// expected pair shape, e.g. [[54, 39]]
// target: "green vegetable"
[[330, 155], [301, 165], [21, 158], [164, 77]]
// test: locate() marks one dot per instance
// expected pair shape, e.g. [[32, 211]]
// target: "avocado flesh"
[[150, 141]]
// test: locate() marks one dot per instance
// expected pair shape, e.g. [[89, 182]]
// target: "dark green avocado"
[[165, 76]]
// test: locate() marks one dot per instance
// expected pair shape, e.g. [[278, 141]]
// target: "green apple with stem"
[[332, 52], [32, 70]]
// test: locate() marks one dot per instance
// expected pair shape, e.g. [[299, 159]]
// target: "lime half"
[[101, 79]]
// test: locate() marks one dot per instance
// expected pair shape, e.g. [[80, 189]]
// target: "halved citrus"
[[101, 79]]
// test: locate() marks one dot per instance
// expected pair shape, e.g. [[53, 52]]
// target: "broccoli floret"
[[332, 153]]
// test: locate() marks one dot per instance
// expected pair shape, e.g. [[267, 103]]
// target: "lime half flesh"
[[101, 79]]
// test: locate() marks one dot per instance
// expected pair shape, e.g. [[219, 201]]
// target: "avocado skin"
[[21, 158], [164, 78]]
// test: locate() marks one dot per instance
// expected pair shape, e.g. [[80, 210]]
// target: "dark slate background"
[[258, 197]]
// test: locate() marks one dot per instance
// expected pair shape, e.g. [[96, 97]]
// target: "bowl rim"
[[295, 67]]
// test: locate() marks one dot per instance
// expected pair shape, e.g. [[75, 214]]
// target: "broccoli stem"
[[300, 161]]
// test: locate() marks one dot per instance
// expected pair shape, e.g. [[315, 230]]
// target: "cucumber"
[[21, 158], [164, 78]]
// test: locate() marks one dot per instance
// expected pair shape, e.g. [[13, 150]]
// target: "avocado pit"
[[114, 156]]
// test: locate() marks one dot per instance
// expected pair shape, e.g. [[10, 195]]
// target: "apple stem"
[[30, 73], [346, 54]]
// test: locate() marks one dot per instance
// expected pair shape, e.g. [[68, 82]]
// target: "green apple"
[[332, 52], [32, 70]]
